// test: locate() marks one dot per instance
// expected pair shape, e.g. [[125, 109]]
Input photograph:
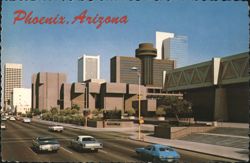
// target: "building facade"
[[46, 88], [12, 79], [151, 70], [88, 68], [218, 89], [176, 48], [21, 100]]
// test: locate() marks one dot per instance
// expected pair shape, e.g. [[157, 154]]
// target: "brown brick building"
[[151, 69]]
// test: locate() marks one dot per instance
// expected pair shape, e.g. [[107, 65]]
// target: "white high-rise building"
[[12, 79], [88, 68], [160, 37], [21, 100]]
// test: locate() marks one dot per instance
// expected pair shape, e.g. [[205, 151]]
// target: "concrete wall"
[[47, 88], [178, 132], [203, 101]]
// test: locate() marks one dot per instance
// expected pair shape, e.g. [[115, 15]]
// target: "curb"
[[235, 159]]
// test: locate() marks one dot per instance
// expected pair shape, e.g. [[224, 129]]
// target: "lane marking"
[[66, 150], [101, 150]]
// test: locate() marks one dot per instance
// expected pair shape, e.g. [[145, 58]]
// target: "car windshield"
[[47, 141], [88, 139], [165, 149]]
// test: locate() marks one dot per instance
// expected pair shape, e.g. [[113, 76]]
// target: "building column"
[[220, 105]]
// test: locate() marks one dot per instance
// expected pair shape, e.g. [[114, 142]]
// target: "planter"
[[131, 117], [161, 118]]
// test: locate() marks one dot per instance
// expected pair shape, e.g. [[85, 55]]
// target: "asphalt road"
[[16, 146]]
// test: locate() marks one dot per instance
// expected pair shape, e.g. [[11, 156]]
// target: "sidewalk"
[[215, 150], [220, 151]]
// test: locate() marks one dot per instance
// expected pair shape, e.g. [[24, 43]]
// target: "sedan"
[[45, 144], [85, 142], [3, 118], [26, 120], [158, 153], [56, 128], [3, 126], [12, 119]]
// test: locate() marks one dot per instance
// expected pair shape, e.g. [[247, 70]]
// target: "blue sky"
[[214, 29]]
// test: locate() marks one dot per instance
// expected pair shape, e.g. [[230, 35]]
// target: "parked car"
[[26, 120], [45, 144], [12, 118], [158, 153], [3, 126], [56, 128], [85, 142]]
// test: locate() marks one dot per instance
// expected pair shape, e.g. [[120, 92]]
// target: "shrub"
[[131, 111], [160, 111]]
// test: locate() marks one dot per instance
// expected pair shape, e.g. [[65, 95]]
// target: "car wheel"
[[96, 150], [155, 160]]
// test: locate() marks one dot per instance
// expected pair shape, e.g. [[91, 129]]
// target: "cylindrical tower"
[[146, 52]]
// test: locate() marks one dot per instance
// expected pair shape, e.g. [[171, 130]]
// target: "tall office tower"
[[88, 68], [12, 79], [46, 88], [176, 49], [160, 36], [146, 52]]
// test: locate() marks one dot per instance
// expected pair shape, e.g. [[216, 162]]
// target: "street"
[[16, 145]]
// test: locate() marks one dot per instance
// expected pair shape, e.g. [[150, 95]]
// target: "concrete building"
[[152, 70], [160, 37], [46, 88], [218, 89], [21, 100], [88, 68], [176, 48], [12, 79]]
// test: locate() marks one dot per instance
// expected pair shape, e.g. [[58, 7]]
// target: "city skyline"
[[37, 46]]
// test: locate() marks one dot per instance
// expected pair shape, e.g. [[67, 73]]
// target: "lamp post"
[[139, 100]]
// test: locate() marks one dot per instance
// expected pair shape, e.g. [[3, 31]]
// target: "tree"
[[36, 111], [160, 111], [176, 106], [131, 111], [54, 110], [75, 106]]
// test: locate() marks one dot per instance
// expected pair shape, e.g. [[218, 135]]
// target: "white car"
[[26, 120], [84, 142], [56, 128], [3, 126], [12, 118]]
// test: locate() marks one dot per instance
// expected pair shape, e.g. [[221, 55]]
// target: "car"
[[41, 144], [12, 118], [158, 153], [85, 142], [18, 118], [26, 120], [4, 118], [56, 128], [3, 126], [7, 117]]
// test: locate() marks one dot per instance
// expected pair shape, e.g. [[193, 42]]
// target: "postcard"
[[124, 81]]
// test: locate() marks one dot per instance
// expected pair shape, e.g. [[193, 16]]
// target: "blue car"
[[158, 153]]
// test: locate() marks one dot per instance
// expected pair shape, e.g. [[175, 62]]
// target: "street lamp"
[[139, 100]]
